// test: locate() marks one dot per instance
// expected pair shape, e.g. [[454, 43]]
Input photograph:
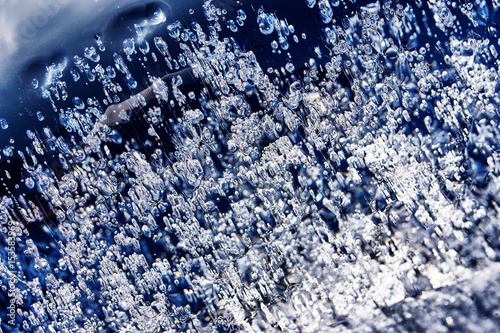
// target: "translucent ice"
[[227, 179]]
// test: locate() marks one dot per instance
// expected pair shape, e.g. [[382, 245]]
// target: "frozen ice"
[[204, 173]]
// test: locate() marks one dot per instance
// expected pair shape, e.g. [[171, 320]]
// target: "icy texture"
[[357, 190]]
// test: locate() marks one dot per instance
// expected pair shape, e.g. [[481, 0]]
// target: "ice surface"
[[201, 172]]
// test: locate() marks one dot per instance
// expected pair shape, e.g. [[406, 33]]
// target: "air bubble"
[[91, 53], [232, 26], [78, 102], [264, 22], [240, 14], [8, 151], [326, 11], [174, 29], [129, 46], [75, 75], [3, 124], [143, 46], [310, 3]]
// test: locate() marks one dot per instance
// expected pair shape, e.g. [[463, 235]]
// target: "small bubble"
[[310, 3], [34, 83], [283, 43], [40, 116], [174, 29], [91, 54], [129, 46], [241, 14], [265, 22], [3, 123], [79, 104], [110, 71], [30, 134], [144, 46], [8, 151], [75, 74], [29, 182], [232, 26]]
